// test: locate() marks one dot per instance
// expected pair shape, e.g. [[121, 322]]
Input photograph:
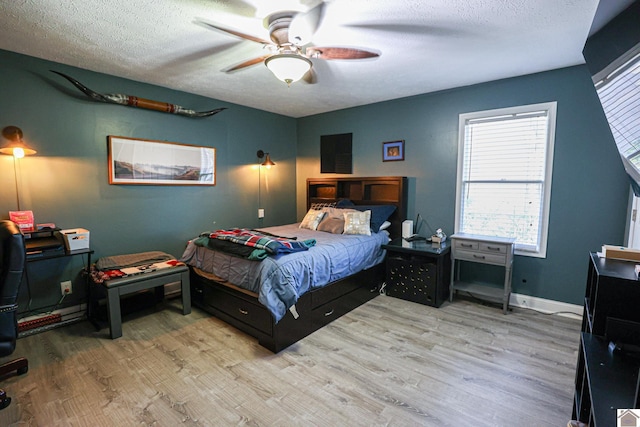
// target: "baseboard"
[[546, 305], [43, 322]]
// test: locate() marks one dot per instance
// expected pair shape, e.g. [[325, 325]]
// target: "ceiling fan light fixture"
[[288, 67]]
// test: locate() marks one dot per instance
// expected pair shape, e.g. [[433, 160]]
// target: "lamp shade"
[[268, 162], [14, 145], [288, 67]]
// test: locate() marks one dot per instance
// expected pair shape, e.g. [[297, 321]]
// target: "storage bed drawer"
[[253, 314], [326, 313]]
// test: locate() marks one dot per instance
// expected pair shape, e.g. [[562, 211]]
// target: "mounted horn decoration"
[[134, 101]]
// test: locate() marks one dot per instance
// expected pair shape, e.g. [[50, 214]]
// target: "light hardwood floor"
[[389, 362]]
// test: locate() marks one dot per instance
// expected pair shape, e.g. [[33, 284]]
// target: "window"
[[504, 174], [619, 93]]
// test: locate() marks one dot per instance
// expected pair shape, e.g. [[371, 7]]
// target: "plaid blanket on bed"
[[273, 245]]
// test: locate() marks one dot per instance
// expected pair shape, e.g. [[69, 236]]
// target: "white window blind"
[[619, 94], [504, 174]]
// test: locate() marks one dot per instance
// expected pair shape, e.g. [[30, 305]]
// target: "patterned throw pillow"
[[357, 223], [318, 206], [312, 219]]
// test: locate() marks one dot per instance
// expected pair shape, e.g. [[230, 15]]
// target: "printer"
[[47, 241]]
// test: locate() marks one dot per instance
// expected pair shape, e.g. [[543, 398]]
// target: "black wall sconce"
[[14, 144], [267, 159]]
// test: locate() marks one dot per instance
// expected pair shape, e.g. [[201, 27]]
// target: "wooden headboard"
[[378, 190]]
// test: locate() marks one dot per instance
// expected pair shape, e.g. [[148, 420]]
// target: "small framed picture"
[[393, 151]]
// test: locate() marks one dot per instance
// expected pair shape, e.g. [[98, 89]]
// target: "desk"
[[41, 256], [418, 271], [47, 255], [483, 250]]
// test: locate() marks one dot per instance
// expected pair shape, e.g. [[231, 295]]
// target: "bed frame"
[[241, 309]]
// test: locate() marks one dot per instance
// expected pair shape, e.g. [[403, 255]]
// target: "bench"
[[127, 285]]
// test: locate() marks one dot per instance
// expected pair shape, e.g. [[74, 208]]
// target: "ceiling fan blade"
[[232, 32], [340, 53], [246, 64], [304, 25]]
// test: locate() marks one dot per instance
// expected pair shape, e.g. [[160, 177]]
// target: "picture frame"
[[393, 151], [136, 161]]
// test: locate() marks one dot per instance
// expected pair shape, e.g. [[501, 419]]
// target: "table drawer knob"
[[243, 312], [478, 256]]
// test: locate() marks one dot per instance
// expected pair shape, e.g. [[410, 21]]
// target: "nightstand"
[[418, 271], [484, 250]]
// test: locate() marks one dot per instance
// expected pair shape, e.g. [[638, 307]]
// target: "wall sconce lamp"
[[267, 163], [267, 159], [15, 146]]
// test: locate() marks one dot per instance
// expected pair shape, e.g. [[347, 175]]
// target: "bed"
[[322, 289]]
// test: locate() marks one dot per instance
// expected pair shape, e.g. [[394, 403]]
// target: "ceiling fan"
[[290, 52]]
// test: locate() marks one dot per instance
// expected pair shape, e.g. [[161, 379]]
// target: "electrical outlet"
[[65, 287], [260, 213]]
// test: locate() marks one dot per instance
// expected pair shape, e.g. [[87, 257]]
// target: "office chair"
[[12, 260]]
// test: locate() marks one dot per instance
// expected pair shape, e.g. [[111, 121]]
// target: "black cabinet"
[[613, 291], [607, 379], [418, 271]]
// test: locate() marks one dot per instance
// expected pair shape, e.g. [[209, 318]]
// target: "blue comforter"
[[280, 280]]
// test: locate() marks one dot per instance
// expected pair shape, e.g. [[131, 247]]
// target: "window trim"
[[551, 108]]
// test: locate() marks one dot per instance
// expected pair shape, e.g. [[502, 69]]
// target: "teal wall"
[[590, 190], [66, 182]]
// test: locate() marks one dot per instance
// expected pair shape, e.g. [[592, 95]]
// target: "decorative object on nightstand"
[[439, 237], [484, 250]]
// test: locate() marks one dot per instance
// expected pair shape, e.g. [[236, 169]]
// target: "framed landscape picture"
[[148, 162], [393, 151]]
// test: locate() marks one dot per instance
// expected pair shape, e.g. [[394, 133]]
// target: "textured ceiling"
[[425, 45]]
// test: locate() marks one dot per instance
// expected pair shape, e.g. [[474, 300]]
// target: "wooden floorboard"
[[388, 363]]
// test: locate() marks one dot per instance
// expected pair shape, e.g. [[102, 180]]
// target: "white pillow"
[[385, 225], [357, 223], [312, 219]]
